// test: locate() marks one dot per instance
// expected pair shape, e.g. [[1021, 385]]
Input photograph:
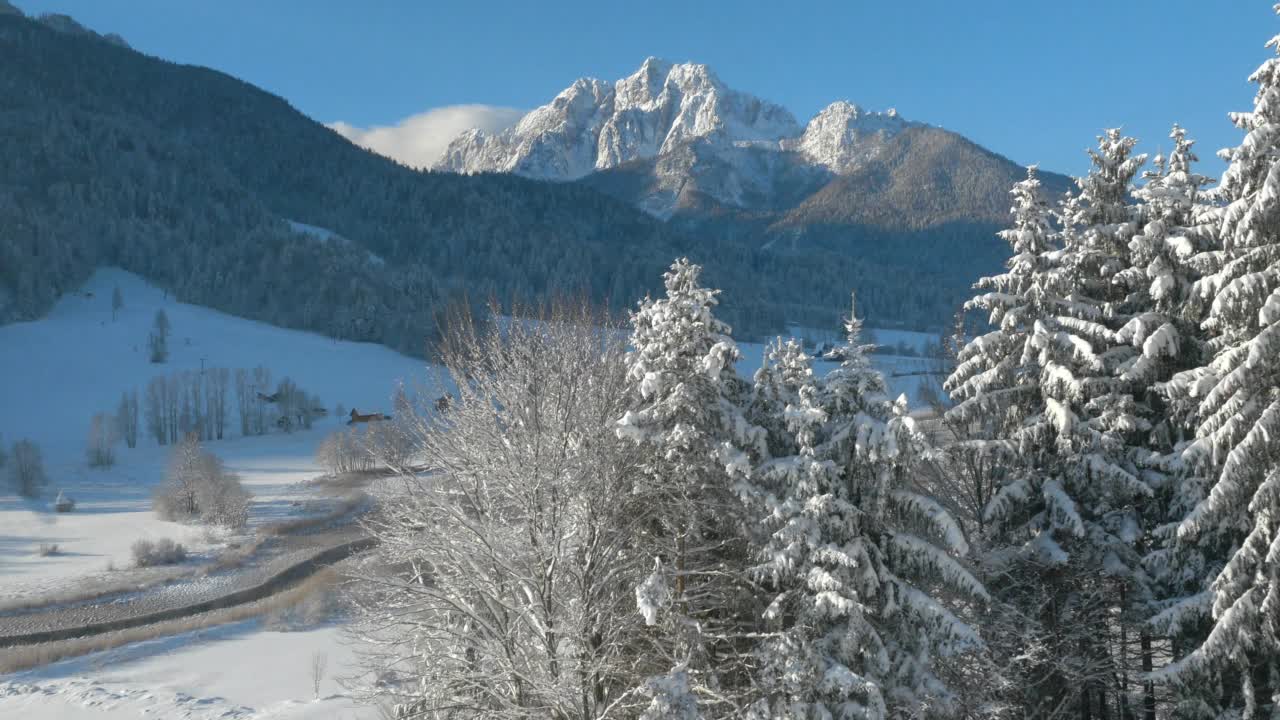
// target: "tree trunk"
[[1148, 687], [1262, 687]]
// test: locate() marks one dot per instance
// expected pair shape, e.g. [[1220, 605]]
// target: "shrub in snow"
[[47, 549], [197, 487], [342, 451], [312, 610], [390, 442], [671, 697], [161, 552]]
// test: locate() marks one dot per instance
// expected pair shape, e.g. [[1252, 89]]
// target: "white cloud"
[[420, 140]]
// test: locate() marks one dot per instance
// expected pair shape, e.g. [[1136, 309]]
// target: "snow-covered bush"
[[161, 552], [343, 451], [671, 698], [389, 443], [197, 487]]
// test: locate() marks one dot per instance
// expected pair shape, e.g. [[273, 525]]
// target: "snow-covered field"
[[56, 373], [236, 671]]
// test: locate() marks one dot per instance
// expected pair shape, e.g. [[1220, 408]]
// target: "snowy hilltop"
[[667, 112]]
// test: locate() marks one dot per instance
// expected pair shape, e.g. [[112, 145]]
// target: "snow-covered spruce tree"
[[996, 381], [504, 583], [1164, 322], [775, 386], [695, 446], [1164, 331], [1040, 390], [1110, 398], [856, 559], [1238, 431], [1123, 278]]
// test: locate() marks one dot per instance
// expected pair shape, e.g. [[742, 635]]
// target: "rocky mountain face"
[[697, 142], [593, 125]]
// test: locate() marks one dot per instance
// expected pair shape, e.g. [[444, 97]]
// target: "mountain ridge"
[[739, 151]]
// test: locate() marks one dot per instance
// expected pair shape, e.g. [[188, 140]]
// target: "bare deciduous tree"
[[344, 451], [504, 582], [100, 449], [197, 486], [260, 384], [127, 418], [27, 469], [319, 662]]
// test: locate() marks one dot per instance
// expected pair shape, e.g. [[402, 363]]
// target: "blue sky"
[[1033, 80]]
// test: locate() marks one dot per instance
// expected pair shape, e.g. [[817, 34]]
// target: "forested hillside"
[[188, 177]]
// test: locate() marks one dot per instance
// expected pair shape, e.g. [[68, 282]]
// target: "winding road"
[[278, 564]]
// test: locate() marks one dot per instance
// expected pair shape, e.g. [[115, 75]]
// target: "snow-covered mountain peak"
[[844, 135], [645, 85], [593, 125], [700, 135]]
